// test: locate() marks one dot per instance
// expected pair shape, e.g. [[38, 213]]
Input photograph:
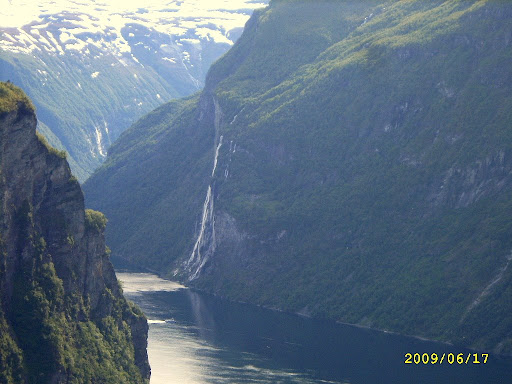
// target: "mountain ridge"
[[363, 177], [107, 65]]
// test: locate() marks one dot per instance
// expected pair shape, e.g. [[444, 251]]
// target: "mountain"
[[107, 64], [347, 160], [63, 317]]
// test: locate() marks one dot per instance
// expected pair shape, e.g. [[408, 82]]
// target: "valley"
[[107, 64], [325, 187], [345, 160]]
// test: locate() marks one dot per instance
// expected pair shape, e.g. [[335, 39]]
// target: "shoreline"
[[359, 326]]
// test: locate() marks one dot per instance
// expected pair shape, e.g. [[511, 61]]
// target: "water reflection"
[[145, 282], [203, 318], [196, 338]]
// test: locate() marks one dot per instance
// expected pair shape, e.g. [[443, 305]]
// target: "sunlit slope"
[[363, 170]]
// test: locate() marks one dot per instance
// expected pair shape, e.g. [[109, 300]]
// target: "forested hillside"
[[349, 160]]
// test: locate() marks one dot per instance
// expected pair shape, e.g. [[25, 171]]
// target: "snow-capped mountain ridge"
[[133, 58]]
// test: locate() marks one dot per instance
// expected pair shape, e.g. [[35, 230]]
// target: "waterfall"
[[206, 235], [204, 246], [216, 156]]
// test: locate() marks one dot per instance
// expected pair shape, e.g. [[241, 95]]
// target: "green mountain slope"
[[349, 160], [85, 113]]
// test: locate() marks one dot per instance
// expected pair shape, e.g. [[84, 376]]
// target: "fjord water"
[[199, 339]]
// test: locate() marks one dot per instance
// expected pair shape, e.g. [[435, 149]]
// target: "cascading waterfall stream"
[[216, 156], [204, 246], [206, 216]]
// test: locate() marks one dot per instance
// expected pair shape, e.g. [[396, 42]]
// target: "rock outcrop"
[[63, 317]]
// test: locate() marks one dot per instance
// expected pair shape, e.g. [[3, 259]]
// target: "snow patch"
[[76, 45], [10, 37], [206, 20], [191, 41], [137, 61], [215, 34], [55, 43]]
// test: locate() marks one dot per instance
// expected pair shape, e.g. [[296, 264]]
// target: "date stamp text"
[[446, 358]]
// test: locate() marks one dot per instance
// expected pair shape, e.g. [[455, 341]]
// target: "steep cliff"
[[346, 159], [63, 317]]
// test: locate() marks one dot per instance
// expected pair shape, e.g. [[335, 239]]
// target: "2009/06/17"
[[450, 358]]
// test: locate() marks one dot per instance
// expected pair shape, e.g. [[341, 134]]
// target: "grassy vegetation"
[[95, 220], [83, 351], [11, 97], [371, 180], [51, 332], [11, 356], [54, 151]]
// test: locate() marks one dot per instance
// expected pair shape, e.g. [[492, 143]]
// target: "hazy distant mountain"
[[347, 159], [92, 68]]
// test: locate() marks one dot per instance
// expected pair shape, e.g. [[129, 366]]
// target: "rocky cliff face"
[[63, 315]]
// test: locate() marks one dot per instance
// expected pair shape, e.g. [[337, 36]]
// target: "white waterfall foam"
[[204, 247], [197, 260], [216, 156]]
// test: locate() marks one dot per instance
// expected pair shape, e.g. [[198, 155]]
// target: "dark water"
[[197, 338]]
